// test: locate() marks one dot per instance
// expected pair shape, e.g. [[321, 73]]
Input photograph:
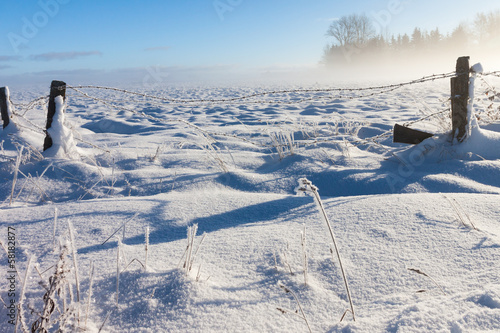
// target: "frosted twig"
[[122, 226], [16, 170], [91, 280], [302, 314], [305, 186]]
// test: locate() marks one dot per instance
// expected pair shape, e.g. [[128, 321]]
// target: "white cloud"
[[157, 48], [331, 19], [63, 55], [10, 58]]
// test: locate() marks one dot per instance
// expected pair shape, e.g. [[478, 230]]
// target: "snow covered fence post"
[[4, 108], [460, 99], [57, 88]]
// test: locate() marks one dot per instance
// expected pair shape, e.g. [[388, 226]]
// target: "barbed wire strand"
[[38, 128], [267, 102], [385, 88], [143, 114], [382, 89], [30, 105], [92, 145], [209, 134], [495, 73]]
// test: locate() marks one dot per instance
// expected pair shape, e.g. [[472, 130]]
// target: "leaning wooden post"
[[3, 106], [57, 88], [460, 99]]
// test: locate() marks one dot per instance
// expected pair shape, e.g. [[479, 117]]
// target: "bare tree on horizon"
[[353, 29]]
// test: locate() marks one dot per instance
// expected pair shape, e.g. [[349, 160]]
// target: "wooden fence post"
[[57, 88], [460, 99], [402, 134], [3, 106]]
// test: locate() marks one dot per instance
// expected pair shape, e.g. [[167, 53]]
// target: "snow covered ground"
[[417, 226]]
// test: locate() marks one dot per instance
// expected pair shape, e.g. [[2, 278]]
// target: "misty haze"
[[249, 166]]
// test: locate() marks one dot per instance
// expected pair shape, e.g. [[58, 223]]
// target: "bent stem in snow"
[[424, 274], [122, 227], [302, 315], [305, 186]]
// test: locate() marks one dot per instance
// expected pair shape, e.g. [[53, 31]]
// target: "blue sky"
[[70, 37]]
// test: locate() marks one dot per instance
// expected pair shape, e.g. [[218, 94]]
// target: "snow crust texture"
[[417, 226]]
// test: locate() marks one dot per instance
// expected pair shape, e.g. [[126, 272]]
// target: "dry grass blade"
[[75, 263], [190, 252], [130, 263], [304, 254], [285, 259], [118, 272], [426, 275], [16, 170], [22, 297], [305, 186], [146, 236], [91, 280], [302, 315], [120, 228], [455, 207], [56, 211], [104, 322]]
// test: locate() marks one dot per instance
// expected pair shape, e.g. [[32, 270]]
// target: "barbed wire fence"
[[318, 95], [275, 136]]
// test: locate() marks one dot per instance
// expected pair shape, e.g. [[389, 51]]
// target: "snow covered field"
[[417, 226]]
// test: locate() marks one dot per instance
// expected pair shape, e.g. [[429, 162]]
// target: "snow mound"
[[63, 143], [417, 227]]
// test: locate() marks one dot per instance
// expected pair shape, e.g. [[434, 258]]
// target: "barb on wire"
[[38, 129], [30, 105], [495, 73], [408, 123], [491, 89]]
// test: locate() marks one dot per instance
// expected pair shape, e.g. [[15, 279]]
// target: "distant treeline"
[[356, 41]]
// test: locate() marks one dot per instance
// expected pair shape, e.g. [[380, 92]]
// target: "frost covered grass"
[[305, 186], [300, 314], [137, 183], [16, 171], [191, 251]]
